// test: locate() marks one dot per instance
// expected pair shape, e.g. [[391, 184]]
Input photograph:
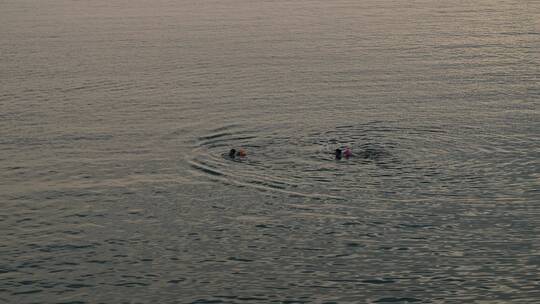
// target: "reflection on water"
[[117, 117]]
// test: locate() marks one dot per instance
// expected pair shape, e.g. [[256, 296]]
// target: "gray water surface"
[[116, 118]]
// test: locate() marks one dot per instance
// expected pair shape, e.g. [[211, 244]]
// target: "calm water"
[[116, 118]]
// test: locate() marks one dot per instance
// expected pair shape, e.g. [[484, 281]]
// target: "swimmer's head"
[[232, 153], [347, 153], [338, 153]]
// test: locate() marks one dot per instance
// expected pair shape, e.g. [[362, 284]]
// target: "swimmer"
[[338, 153], [240, 153], [347, 153]]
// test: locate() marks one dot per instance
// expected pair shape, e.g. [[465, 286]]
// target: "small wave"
[[205, 169]]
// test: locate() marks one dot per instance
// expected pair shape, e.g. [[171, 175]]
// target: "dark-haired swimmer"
[[338, 153], [240, 153]]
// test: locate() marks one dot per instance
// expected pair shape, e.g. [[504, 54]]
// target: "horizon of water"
[[117, 118]]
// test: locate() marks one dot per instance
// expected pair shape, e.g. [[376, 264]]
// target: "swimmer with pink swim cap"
[[347, 153], [343, 153]]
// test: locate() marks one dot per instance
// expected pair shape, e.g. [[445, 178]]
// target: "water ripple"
[[399, 161]]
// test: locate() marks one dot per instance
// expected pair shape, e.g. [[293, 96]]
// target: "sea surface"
[[116, 118]]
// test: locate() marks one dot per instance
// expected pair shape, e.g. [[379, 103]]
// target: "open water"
[[116, 118]]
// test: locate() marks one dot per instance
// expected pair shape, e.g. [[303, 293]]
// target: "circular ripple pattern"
[[392, 162]]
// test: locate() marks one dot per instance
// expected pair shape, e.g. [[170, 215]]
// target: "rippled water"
[[117, 117]]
